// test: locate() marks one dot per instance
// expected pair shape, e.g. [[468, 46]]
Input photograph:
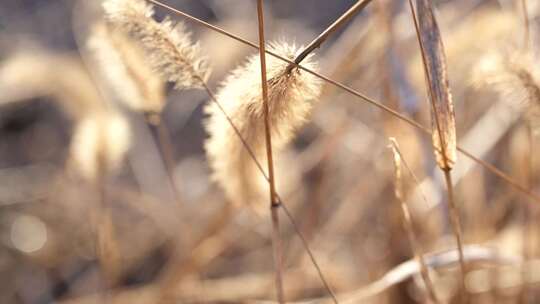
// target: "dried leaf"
[[443, 120]]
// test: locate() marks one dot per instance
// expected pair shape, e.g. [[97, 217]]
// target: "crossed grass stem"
[[407, 219], [274, 202], [528, 219]]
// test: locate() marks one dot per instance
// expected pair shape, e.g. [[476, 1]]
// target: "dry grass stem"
[[336, 25], [526, 23], [527, 220], [274, 202], [407, 220]]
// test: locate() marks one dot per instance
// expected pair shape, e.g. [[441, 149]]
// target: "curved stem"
[[274, 202], [317, 42], [456, 227]]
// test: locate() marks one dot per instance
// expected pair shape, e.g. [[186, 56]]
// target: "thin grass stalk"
[[407, 220], [526, 23], [444, 142], [198, 257], [163, 138], [317, 42], [274, 202], [456, 228], [528, 222], [489, 167], [528, 219], [305, 243], [106, 243]]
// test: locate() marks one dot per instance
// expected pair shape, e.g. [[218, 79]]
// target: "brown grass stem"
[[489, 167], [527, 217], [264, 85], [317, 42], [528, 220], [456, 227], [407, 220], [199, 256], [305, 243], [163, 138], [274, 202], [107, 250], [526, 23]]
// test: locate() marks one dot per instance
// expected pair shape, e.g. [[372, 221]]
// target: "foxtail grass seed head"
[[514, 76], [99, 138], [125, 68], [100, 132], [290, 98], [171, 51], [30, 73], [442, 110]]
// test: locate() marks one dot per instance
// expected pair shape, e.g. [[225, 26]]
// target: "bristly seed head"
[[102, 138], [516, 77], [172, 53], [290, 98]]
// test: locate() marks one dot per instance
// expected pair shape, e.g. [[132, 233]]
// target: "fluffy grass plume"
[[99, 142], [290, 99], [35, 72], [101, 134], [125, 68], [171, 51], [514, 76]]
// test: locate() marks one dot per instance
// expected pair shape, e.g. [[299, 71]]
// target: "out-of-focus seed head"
[[171, 50]]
